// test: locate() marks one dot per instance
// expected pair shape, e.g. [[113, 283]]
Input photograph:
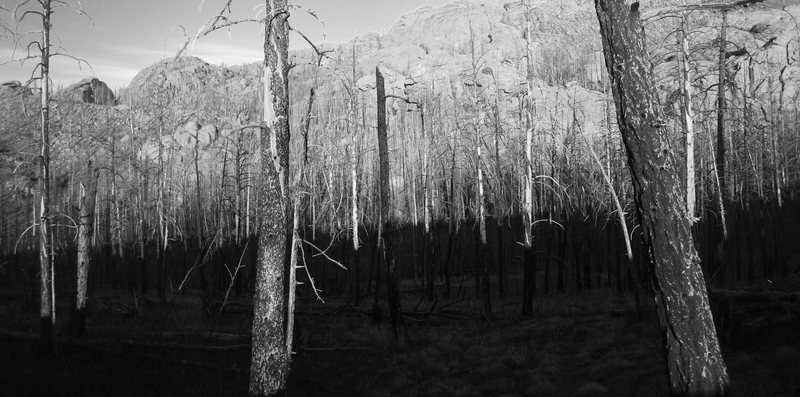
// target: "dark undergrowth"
[[588, 344]]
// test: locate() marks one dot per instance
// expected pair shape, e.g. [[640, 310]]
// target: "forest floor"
[[591, 343]]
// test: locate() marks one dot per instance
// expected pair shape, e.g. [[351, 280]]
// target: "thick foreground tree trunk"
[[269, 365], [694, 362], [85, 235]]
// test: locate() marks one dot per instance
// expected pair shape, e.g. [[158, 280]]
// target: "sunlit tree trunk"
[[163, 228], [270, 359], [687, 115], [529, 271], [354, 207], [428, 263], [47, 307], [387, 226], [85, 235], [775, 132], [694, 362], [352, 115]]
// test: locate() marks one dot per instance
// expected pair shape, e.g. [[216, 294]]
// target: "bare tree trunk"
[[428, 247], [694, 362], [85, 235], [270, 360], [776, 130], [687, 115], [529, 262], [144, 225], [163, 227], [354, 201], [722, 83], [385, 237], [47, 304], [199, 215]]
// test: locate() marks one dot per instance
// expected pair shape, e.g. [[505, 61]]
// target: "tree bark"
[[392, 293], [85, 235], [694, 362], [528, 211], [47, 304], [687, 115], [723, 81], [269, 365]]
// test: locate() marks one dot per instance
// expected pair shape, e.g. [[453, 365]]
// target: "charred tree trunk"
[[85, 235], [269, 365], [694, 362], [47, 309], [387, 226], [163, 228], [722, 83]]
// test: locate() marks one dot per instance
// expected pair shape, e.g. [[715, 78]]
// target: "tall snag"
[[694, 362], [269, 365], [47, 305], [723, 81], [529, 270], [687, 115], [387, 226]]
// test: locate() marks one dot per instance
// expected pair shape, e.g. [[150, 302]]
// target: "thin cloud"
[[130, 50], [225, 53]]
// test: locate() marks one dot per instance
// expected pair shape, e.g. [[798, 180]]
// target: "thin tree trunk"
[[428, 245], [392, 293], [694, 362], [528, 211], [687, 115], [163, 221], [354, 221], [85, 234], [722, 83], [47, 304], [620, 212]]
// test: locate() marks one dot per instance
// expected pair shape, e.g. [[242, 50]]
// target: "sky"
[[120, 37]]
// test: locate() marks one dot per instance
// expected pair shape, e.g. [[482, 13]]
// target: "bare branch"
[[74, 58], [226, 9], [24, 14], [320, 53], [667, 11], [406, 100], [308, 273], [323, 253], [78, 10], [17, 8], [313, 15]]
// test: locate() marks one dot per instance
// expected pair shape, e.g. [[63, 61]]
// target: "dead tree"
[[386, 224], [41, 50], [694, 362], [85, 236], [722, 83], [269, 365], [687, 114]]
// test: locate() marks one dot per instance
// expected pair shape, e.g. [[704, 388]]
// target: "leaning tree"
[[694, 362]]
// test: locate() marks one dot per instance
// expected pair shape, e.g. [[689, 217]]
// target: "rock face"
[[10, 88], [190, 82], [89, 90]]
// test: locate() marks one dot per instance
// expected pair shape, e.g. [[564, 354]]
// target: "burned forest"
[[438, 198]]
